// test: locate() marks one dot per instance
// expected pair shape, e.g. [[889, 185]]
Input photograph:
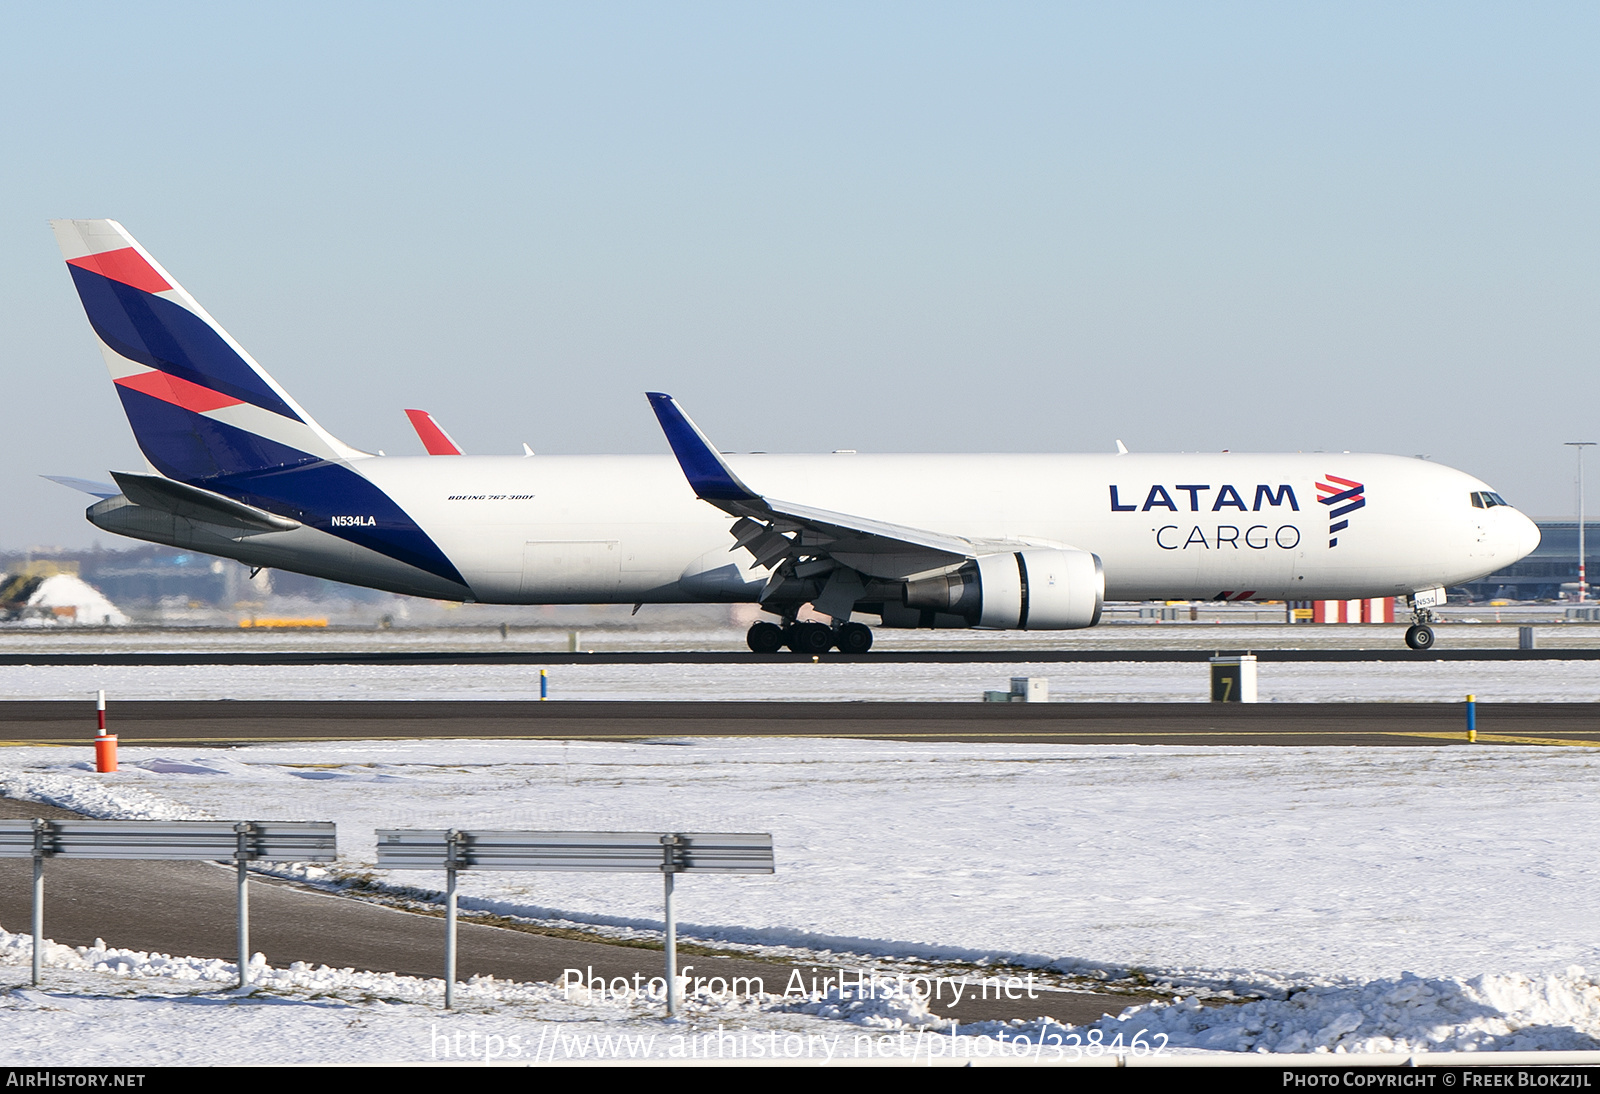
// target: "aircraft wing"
[[873, 547]]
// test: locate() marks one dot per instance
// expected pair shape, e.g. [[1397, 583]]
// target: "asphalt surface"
[[189, 909], [740, 657], [226, 722]]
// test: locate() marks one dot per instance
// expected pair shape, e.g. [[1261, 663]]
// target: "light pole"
[[1583, 579]]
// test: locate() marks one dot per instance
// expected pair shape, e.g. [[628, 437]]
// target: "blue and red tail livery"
[[207, 415], [200, 407]]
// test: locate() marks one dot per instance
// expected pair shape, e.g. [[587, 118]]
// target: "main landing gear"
[[764, 637], [812, 638]]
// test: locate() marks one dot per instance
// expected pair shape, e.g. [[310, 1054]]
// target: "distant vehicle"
[[1033, 542]]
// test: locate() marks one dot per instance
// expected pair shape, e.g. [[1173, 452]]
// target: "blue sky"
[[889, 227]]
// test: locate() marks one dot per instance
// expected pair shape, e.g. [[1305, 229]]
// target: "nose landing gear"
[[1419, 636]]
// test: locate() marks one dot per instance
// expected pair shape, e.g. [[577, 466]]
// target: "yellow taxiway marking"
[[1503, 739]]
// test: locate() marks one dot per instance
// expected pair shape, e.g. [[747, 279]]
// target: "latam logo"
[[1227, 497], [1344, 494]]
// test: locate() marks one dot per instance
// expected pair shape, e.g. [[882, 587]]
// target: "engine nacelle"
[[1038, 589]]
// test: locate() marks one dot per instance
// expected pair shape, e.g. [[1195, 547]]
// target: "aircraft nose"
[[1524, 537]]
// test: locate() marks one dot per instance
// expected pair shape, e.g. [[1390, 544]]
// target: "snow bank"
[[1407, 1015], [887, 1006], [298, 978], [92, 799], [17, 949], [1401, 1015]]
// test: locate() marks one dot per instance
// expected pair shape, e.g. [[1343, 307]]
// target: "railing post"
[[671, 863], [452, 859], [241, 857], [41, 829]]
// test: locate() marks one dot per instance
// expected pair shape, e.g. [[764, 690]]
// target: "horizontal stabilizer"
[[88, 486], [179, 499]]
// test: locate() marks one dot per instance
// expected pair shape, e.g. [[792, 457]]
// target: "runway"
[[223, 722], [729, 657]]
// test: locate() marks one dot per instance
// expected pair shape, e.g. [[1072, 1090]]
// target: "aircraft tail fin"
[[200, 407], [432, 434]]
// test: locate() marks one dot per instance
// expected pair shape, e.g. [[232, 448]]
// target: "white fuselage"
[[599, 529]]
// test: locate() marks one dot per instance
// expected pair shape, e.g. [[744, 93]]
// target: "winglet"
[[709, 476]]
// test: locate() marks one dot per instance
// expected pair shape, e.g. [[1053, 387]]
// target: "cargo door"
[[585, 571]]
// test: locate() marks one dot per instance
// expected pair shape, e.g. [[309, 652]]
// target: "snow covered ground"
[[103, 1006], [476, 629], [1314, 682], [1377, 899]]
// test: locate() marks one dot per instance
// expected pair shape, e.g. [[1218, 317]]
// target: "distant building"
[[1542, 575], [146, 577]]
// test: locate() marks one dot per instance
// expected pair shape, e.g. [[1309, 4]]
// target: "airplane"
[[237, 468]]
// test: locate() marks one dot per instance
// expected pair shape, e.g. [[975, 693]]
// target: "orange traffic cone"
[[105, 746]]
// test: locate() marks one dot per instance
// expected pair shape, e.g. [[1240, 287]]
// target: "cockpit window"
[[1487, 499]]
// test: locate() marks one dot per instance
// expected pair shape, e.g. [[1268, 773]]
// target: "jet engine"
[[1038, 589]]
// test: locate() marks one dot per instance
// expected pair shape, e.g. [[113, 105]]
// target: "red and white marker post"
[[105, 746]]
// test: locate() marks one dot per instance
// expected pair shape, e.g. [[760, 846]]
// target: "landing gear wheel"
[[1420, 637], [853, 638], [812, 638], [764, 637]]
